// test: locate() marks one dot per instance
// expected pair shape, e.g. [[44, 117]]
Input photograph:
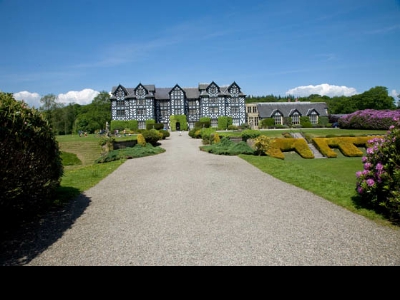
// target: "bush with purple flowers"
[[370, 119], [379, 183]]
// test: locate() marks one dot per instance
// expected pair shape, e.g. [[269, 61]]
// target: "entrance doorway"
[[178, 126]]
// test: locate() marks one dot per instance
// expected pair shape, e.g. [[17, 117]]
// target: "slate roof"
[[268, 110], [163, 93]]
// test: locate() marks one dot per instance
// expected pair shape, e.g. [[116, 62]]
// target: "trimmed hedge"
[[347, 145], [132, 125], [31, 164], [181, 119]]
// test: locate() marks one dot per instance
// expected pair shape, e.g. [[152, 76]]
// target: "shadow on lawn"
[[360, 204], [21, 245]]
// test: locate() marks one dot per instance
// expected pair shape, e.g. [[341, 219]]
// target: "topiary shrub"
[[152, 136], [141, 140], [31, 164]]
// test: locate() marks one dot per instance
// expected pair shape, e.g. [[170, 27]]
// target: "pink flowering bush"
[[370, 119], [379, 183]]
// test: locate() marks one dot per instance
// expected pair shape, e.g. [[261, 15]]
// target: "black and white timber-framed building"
[[146, 102]]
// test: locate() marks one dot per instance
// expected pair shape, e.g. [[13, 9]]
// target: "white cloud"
[[395, 94], [32, 99], [83, 97], [323, 90]]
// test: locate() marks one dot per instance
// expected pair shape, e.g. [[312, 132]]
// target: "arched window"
[[314, 118], [296, 118], [278, 118]]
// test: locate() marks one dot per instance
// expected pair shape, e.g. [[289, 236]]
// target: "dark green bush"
[[267, 123], [227, 147], [31, 164], [152, 136], [165, 134], [130, 153], [250, 134]]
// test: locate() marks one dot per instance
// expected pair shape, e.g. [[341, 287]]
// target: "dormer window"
[[314, 117], [278, 118], [296, 118]]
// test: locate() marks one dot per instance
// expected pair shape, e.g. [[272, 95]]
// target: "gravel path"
[[189, 208]]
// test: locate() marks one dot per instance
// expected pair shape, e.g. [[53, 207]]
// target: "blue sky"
[[77, 48]]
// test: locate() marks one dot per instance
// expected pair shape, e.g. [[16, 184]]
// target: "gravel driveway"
[[189, 208]]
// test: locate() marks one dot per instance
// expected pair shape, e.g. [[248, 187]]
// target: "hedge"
[[347, 145]]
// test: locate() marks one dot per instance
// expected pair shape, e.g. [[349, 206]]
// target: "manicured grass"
[[80, 170], [78, 180], [332, 179], [70, 159]]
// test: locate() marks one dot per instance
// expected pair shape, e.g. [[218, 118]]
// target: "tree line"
[[72, 118], [376, 98]]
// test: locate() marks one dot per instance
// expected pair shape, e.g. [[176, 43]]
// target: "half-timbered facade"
[[146, 102]]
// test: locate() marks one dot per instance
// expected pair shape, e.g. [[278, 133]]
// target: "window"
[[192, 112], [254, 109], [214, 123], [121, 113], [164, 105], [249, 109], [165, 113], [296, 119], [314, 118], [278, 119], [213, 100], [235, 110], [120, 103], [142, 102], [141, 112], [214, 110]]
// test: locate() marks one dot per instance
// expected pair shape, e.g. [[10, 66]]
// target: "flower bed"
[[370, 119]]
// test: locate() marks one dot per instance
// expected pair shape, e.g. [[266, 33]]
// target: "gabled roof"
[[164, 93], [266, 110]]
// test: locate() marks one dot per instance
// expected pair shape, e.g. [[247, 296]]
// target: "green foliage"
[[130, 153], [181, 119], [132, 125], [250, 134], [324, 121], [31, 165], [267, 123], [224, 122], [201, 125], [152, 136], [206, 135], [227, 147], [141, 140], [150, 124], [305, 122], [379, 183], [205, 120], [70, 159], [93, 117], [165, 134]]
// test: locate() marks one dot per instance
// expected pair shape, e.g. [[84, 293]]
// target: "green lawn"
[[333, 179], [80, 170]]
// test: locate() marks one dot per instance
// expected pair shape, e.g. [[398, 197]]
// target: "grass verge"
[[331, 179]]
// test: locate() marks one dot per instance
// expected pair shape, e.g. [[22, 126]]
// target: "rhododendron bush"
[[370, 119], [379, 183]]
